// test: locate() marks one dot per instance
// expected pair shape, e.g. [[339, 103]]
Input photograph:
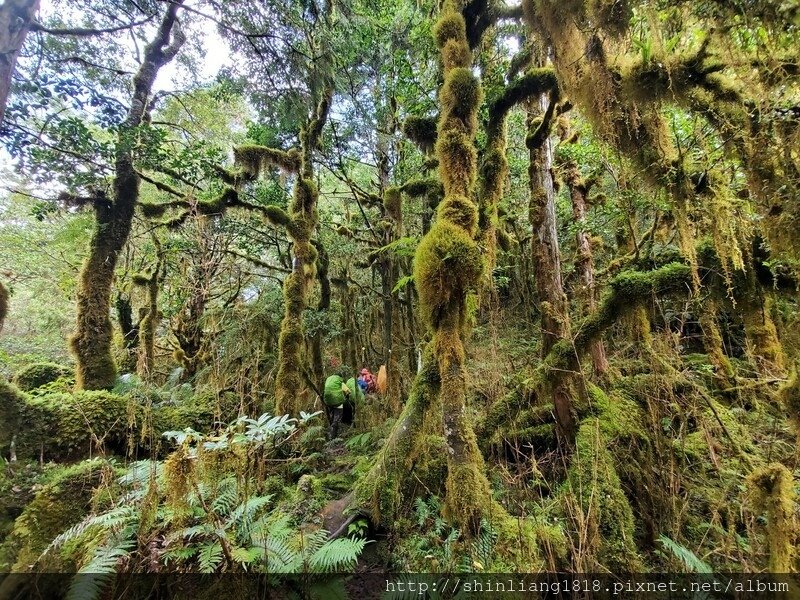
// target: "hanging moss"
[[421, 131], [393, 203], [152, 210], [613, 16], [178, 476], [216, 206], [772, 492], [38, 374], [594, 485], [255, 160]]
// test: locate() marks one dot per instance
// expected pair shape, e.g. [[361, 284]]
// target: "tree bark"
[[579, 191], [546, 255], [16, 17]]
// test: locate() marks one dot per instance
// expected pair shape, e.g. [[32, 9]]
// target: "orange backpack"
[[382, 383]]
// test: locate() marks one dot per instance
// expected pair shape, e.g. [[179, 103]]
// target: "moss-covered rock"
[[64, 501], [38, 374]]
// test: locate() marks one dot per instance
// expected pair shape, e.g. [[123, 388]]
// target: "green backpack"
[[333, 391]]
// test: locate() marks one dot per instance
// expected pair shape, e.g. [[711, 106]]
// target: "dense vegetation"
[[563, 227]]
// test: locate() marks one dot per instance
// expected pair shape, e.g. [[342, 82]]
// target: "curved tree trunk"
[[91, 343]]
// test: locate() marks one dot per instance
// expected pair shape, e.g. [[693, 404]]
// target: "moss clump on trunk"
[[772, 492]]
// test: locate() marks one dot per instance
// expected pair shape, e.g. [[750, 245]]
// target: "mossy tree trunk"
[[546, 255], [323, 305], [91, 343], [147, 326], [303, 215], [579, 191], [16, 17], [300, 223], [448, 266]]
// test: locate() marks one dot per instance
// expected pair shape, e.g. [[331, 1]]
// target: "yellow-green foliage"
[[61, 503], [448, 263], [38, 374], [772, 492]]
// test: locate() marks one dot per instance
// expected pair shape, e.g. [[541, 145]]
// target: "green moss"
[[772, 492], [461, 211], [57, 506], [612, 15], [179, 471], [593, 487], [790, 396], [451, 26], [152, 210], [216, 206], [461, 95], [447, 264], [393, 203], [455, 54], [277, 215], [38, 374], [457, 162], [534, 82]]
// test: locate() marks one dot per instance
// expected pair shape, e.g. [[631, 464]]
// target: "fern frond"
[[210, 557], [227, 497], [113, 520], [690, 560], [337, 555]]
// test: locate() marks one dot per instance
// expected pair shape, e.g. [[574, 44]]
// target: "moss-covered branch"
[[255, 160], [534, 82]]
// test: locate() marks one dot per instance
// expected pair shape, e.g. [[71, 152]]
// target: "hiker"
[[339, 399], [366, 381]]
